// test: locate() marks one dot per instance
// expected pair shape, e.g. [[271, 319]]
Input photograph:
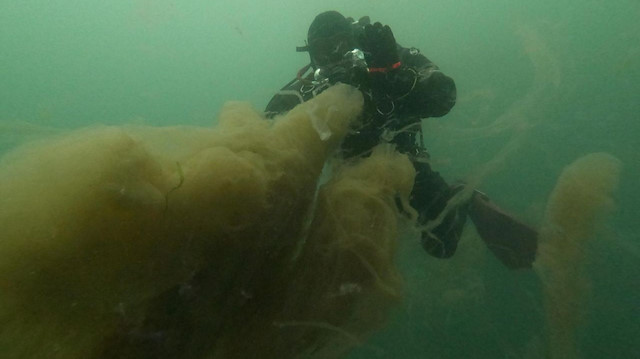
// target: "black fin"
[[511, 241]]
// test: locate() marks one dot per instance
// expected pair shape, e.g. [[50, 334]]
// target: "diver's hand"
[[379, 46]]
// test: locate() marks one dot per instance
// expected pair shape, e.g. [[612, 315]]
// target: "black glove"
[[379, 46], [344, 73]]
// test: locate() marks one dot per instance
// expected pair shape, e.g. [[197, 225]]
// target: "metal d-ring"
[[305, 89], [393, 107]]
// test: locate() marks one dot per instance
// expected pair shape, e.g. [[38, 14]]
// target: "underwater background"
[[539, 85]]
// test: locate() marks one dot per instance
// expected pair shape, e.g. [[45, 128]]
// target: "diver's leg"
[[429, 197]]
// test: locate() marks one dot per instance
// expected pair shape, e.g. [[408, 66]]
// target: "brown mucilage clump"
[[111, 250]]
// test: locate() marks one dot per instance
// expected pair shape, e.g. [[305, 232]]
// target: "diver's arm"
[[423, 88], [285, 100]]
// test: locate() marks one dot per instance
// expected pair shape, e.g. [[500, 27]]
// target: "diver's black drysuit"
[[395, 102]]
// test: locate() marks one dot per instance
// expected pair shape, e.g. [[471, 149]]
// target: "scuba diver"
[[401, 87]]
